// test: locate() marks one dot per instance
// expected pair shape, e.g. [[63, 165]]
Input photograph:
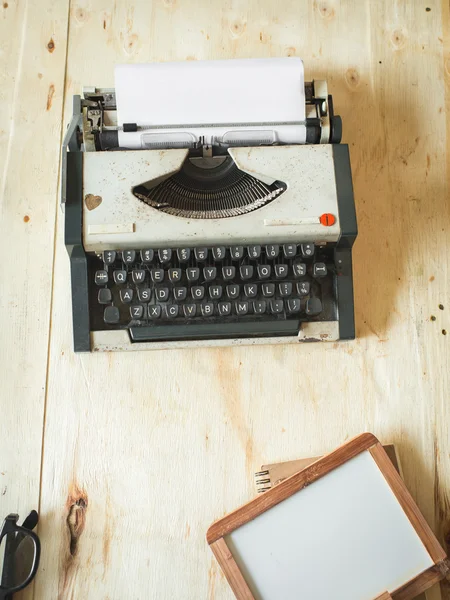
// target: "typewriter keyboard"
[[192, 293]]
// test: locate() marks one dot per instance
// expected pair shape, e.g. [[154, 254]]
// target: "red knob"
[[327, 219]]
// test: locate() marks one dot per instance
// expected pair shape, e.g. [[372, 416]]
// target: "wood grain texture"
[[406, 501], [290, 486], [231, 570], [31, 86], [115, 423], [385, 596]]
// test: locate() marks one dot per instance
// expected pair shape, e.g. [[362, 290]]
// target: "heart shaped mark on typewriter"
[[92, 201]]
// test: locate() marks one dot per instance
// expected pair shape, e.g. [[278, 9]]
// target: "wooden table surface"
[[129, 457]]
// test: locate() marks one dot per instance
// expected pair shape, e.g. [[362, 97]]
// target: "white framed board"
[[344, 527]]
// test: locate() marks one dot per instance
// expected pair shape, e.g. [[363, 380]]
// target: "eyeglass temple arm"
[[31, 521]]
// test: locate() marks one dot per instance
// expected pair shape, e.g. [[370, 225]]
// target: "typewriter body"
[[211, 232]]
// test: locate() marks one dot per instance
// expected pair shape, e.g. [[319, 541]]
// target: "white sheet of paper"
[[220, 92], [344, 537]]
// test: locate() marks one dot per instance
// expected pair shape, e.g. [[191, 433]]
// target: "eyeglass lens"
[[17, 551]]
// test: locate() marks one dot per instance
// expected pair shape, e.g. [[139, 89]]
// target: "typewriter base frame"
[[87, 340], [110, 341]]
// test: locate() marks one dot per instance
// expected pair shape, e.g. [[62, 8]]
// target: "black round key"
[[164, 255], [198, 292], [215, 292], [193, 273], [189, 310], [303, 288], [319, 269], [313, 307], [171, 311], [201, 253], [254, 251], [104, 296], [293, 306], [307, 250], [207, 309], [233, 291], [147, 255], [228, 273], [250, 290], [180, 293], [183, 254], [128, 256], [154, 311], [174, 275], [281, 271], [241, 308], [218, 253], [299, 269], [224, 309], [157, 275], [259, 307], [111, 315], [276, 307], [162, 294], [138, 275], [120, 276], [268, 289], [272, 251], [126, 295], [237, 252], [136, 311], [285, 288], [144, 294], [101, 277], [209, 273], [109, 256], [246, 272], [264, 271], [289, 250]]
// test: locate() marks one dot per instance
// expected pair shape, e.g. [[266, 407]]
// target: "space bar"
[[201, 331]]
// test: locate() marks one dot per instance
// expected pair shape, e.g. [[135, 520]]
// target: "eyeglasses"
[[20, 550]]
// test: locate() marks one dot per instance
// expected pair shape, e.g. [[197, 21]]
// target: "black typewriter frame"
[[72, 200]]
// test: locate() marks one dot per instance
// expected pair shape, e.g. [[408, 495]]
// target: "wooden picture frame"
[[364, 442]]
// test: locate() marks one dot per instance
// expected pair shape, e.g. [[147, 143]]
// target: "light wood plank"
[[442, 405], [155, 446], [32, 64]]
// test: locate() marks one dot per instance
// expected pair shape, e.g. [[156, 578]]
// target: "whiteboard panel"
[[344, 537]]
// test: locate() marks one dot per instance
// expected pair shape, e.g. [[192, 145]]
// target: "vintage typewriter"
[[208, 202]]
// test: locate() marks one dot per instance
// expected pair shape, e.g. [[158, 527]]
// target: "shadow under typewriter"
[[209, 188]]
